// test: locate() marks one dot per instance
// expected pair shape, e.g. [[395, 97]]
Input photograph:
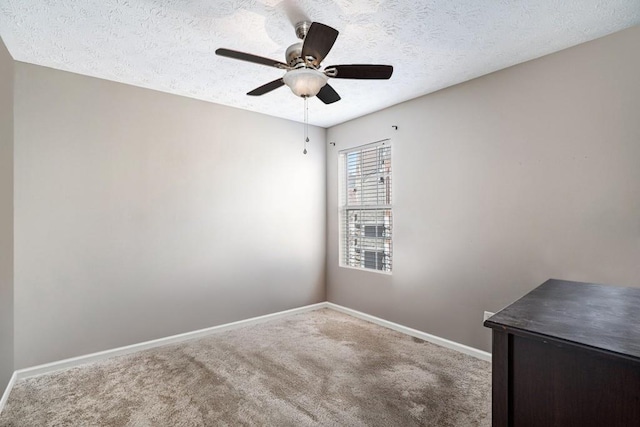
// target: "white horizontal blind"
[[365, 207]]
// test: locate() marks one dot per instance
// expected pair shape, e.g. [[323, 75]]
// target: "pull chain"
[[306, 124]]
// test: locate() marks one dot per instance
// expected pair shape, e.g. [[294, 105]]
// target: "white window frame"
[[355, 241]]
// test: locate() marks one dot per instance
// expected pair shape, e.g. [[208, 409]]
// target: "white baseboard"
[[483, 355], [93, 357], [5, 395]]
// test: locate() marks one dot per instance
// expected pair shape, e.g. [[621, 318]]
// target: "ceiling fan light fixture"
[[305, 82]]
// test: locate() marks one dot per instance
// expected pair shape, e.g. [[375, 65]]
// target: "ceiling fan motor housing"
[[294, 52], [294, 55]]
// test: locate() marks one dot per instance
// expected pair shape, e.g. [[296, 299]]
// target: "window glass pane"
[[368, 237], [354, 184], [366, 217]]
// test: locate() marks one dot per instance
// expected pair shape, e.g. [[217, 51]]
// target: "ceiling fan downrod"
[[302, 28]]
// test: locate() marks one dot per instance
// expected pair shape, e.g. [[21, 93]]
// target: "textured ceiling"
[[169, 45]]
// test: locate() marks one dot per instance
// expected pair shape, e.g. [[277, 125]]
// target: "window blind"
[[366, 219]]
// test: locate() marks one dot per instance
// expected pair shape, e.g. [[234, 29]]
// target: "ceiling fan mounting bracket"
[[331, 72], [302, 28]]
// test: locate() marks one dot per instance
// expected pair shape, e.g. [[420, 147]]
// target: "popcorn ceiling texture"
[[169, 45]]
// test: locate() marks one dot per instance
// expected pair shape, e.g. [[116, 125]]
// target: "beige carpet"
[[317, 368]]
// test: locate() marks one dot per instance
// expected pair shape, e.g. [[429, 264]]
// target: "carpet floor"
[[320, 368]]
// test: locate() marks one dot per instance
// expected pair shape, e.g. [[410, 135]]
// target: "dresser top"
[[599, 316]]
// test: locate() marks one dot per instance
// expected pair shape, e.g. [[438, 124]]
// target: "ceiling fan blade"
[[266, 88], [251, 58], [318, 42], [359, 71], [328, 95]]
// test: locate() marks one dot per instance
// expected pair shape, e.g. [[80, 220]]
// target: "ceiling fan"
[[303, 75]]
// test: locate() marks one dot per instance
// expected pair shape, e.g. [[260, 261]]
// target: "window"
[[365, 207]]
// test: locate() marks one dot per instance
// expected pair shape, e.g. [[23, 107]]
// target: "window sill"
[[367, 270]]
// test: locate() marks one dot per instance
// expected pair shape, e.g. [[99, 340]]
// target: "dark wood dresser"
[[568, 354]]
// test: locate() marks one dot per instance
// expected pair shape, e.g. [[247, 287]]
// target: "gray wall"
[[140, 214], [6, 216], [501, 183]]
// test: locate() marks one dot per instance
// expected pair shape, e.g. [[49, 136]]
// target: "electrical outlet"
[[487, 314]]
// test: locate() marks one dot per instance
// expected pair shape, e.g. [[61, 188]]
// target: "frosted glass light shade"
[[305, 82]]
